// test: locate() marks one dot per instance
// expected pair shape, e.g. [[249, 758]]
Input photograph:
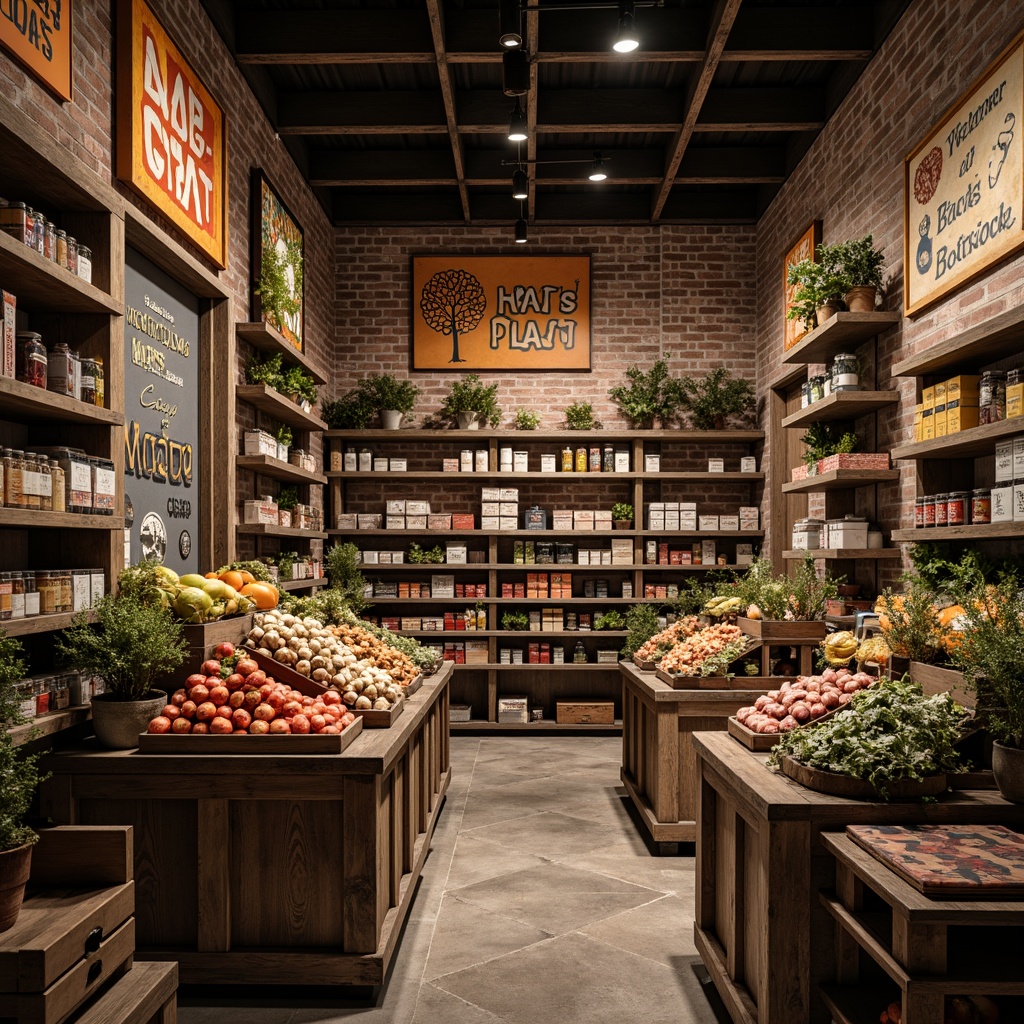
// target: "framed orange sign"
[[526, 314], [38, 34], [804, 248], [171, 135]]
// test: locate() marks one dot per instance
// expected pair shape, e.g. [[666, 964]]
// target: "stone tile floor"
[[539, 903]]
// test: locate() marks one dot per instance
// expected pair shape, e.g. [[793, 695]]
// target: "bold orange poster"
[[171, 133], [38, 33], [520, 313]]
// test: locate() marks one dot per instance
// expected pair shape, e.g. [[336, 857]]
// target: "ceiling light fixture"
[[598, 164], [597, 171], [517, 124], [520, 184], [521, 232], [515, 72], [626, 40], [510, 25]]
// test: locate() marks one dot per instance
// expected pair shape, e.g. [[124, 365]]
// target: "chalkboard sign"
[[161, 432]]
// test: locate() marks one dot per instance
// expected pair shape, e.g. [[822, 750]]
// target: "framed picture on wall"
[[524, 314], [277, 262], [963, 186], [40, 37], [804, 248]]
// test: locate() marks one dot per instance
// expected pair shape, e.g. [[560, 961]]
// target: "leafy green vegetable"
[[642, 623], [609, 620], [718, 664], [887, 732]]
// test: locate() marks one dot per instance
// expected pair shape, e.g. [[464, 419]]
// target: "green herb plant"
[[350, 412], [718, 664], [853, 263], [297, 382], [621, 511], [288, 499], [910, 623], [816, 285], [526, 420], [426, 556], [285, 562], [284, 435], [613, 619], [383, 392], [823, 439], [697, 590], [515, 621], [265, 371], [803, 595], [344, 574], [471, 395], [580, 416], [642, 623], [648, 396], [715, 397], [280, 298], [887, 733]]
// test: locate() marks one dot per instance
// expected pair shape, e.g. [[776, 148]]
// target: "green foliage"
[[382, 392], [526, 420], [131, 645], [470, 395], [642, 623], [718, 664], [266, 371], [911, 622], [288, 498], [649, 396], [803, 595], [284, 435], [580, 416], [343, 562], [285, 561], [622, 510], [853, 263], [423, 556], [278, 300], [350, 412], [297, 382], [696, 590], [940, 563], [258, 569], [515, 621], [328, 605], [613, 619], [823, 439], [817, 284], [989, 652], [424, 658], [887, 732], [716, 396]]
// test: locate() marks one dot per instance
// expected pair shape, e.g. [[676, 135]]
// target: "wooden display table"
[[659, 766], [765, 938], [262, 869], [909, 937]]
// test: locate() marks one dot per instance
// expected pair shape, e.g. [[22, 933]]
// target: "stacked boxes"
[[544, 584], [499, 508], [948, 407]]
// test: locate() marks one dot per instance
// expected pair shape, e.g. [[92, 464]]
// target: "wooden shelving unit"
[[274, 404], [842, 405], [965, 444], [840, 479], [50, 723], [42, 623], [31, 405], [843, 554], [265, 530], [265, 338], [981, 531], [838, 333], [293, 585], [278, 470]]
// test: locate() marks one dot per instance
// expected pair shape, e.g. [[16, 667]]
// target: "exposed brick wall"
[[852, 180], [687, 292]]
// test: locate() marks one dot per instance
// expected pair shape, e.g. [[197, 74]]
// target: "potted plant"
[[284, 441], [711, 400], [515, 621], [648, 397], [784, 606], [622, 515], [389, 397], [19, 776], [132, 644], [526, 420], [286, 502], [822, 441], [300, 387], [470, 403], [818, 295], [350, 412], [858, 265], [265, 371], [580, 416]]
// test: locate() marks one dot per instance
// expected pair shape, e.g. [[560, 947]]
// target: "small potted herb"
[[300, 387], [515, 621], [265, 371], [580, 416], [352, 411], [286, 502], [818, 295], [284, 441], [649, 396], [389, 397], [470, 404], [622, 515], [858, 265], [526, 420], [712, 400], [823, 440]]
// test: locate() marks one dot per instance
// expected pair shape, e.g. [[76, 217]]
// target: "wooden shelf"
[[850, 1004], [58, 520], [50, 723], [565, 535], [42, 623], [538, 601], [838, 333], [263, 530], [587, 478], [549, 436], [512, 634], [278, 470], [843, 554], [964, 444], [980, 346], [269, 401], [983, 531], [46, 287], [842, 405], [545, 726], [567, 666], [268, 339], [292, 585], [840, 479], [20, 401]]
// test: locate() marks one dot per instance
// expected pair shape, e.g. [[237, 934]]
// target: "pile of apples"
[[231, 695]]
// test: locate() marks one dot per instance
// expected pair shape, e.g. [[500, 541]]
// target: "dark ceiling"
[[394, 110]]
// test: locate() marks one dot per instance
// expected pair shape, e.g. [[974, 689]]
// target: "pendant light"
[[597, 171], [626, 40], [520, 235], [515, 72], [520, 184], [517, 124], [510, 28]]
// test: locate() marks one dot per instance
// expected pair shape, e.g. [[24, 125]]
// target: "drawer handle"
[[95, 970], [93, 939]]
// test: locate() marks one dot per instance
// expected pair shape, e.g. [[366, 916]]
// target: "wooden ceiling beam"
[[724, 165], [801, 34], [374, 167], [762, 109]]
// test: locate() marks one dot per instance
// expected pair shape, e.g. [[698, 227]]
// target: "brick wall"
[[688, 292], [852, 180]]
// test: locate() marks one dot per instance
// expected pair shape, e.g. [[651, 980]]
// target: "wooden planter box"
[[782, 630], [799, 473], [854, 460]]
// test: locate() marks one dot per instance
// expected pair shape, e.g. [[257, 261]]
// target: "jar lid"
[[846, 355], [981, 492], [29, 335], [850, 518]]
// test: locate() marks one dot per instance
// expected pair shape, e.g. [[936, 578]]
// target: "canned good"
[[981, 505], [929, 510], [940, 509], [31, 359], [919, 512], [956, 508]]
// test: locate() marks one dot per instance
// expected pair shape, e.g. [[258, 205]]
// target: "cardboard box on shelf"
[[463, 520], [708, 522], [707, 552], [345, 521], [1002, 504], [748, 464], [928, 422], [490, 494], [395, 507], [260, 512], [8, 347], [652, 463], [417, 508], [439, 521], [656, 520], [561, 519], [490, 508], [1004, 461], [490, 523], [962, 388], [584, 712], [380, 464], [442, 586], [398, 465], [256, 442], [728, 522], [508, 508], [958, 417], [716, 465], [370, 557], [450, 465], [621, 461], [415, 522], [513, 709], [744, 554], [508, 494], [456, 554], [508, 524], [394, 522]]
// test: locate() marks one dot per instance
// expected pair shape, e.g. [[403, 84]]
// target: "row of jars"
[[843, 375], [39, 233], [30, 592], [57, 480], [60, 370], [956, 508], [41, 694]]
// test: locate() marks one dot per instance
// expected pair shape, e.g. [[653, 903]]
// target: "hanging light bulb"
[[520, 184], [626, 40], [515, 72], [597, 171], [520, 235], [517, 124], [510, 29]]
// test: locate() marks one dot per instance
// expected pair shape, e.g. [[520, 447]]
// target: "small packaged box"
[[415, 522], [369, 521], [398, 465], [621, 458], [417, 508], [394, 522], [744, 554], [708, 522], [652, 463], [707, 552], [450, 465], [651, 552], [463, 520], [456, 554], [728, 522], [583, 556], [508, 524], [520, 462], [1004, 462], [748, 464], [507, 494], [349, 460], [397, 557], [622, 551], [1002, 504], [656, 520], [561, 519], [8, 339], [490, 508], [439, 521], [958, 417], [716, 465], [261, 511], [603, 519], [490, 494], [380, 464], [513, 709], [548, 463], [687, 520], [962, 389], [490, 523], [672, 519], [395, 507], [371, 557], [257, 442], [508, 508], [345, 521], [442, 586]]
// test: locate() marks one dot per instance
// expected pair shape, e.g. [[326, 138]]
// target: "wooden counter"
[[764, 936], [659, 765], [268, 869]]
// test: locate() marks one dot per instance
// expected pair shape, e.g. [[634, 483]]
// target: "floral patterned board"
[[980, 861]]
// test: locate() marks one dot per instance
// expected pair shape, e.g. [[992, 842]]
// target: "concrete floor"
[[539, 903]]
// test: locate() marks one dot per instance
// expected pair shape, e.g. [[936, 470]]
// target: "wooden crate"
[[287, 744], [584, 712], [793, 633]]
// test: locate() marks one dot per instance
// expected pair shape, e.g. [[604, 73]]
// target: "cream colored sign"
[[964, 186]]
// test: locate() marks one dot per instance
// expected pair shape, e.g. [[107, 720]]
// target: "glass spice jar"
[[50, 241], [929, 510], [72, 255], [567, 462], [581, 460], [100, 383], [817, 388], [992, 397], [846, 372], [956, 508], [39, 235], [17, 595], [5, 596], [29, 235], [14, 495], [981, 506], [30, 362], [919, 512], [60, 374], [31, 594], [58, 497], [61, 249], [85, 263], [87, 390]]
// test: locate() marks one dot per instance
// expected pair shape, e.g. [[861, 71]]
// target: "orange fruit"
[[263, 595], [247, 576], [233, 578], [209, 576]]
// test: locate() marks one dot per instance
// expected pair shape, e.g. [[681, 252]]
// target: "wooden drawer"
[[76, 985], [584, 712], [144, 995]]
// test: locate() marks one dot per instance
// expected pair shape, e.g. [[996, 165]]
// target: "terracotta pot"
[[391, 419], [117, 723], [826, 312], [1008, 771], [622, 524], [861, 299], [14, 869]]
